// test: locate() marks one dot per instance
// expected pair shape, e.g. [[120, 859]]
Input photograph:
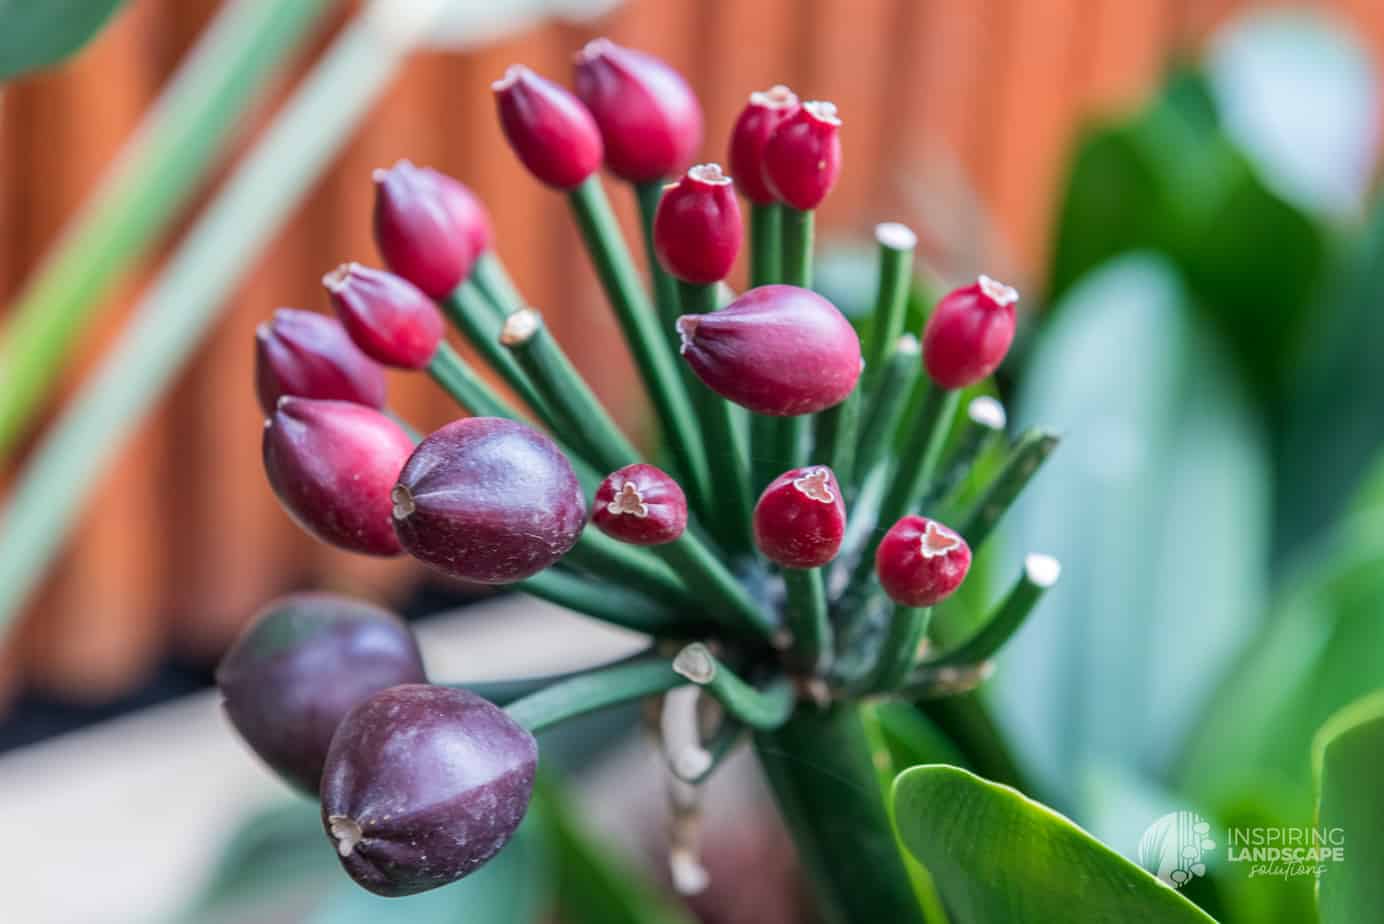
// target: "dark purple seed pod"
[[550, 130], [920, 562], [640, 504], [697, 228], [428, 227], [300, 666], [777, 350], [488, 500], [650, 120], [387, 316], [763, 113], [969, 332], [800, 519], [304, 354], [332, 465], [423, 785], [802, 158]]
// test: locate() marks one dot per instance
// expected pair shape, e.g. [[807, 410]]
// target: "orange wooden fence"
[[183, 539]]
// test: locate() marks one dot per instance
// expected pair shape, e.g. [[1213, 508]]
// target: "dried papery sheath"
[[969, 333], [920, 562], [764, 112], [697, 228], [429, 228], [801, 518], [802, 158], [640, 504], [304, 354], [387, 316], [550, 130]]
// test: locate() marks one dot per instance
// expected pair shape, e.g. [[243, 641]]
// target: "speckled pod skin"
[[422, 785], [332, 465], [650, 120], [800, 518], [550, 130], [304, 354], [300, 666], [920, 562], [388, 317], [777, 350], [429, 228], [969, 333], [763, 113], [697, 228], [640, 504], [488, 500], [802, 158]]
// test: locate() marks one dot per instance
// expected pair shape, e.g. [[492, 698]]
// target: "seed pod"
[[423, 785], [332, 465], [650, 120], [386, 315], [552, 132], [802, 158], [920, 562], [300, 666], [697, 228], [969, 333], [428, 227], [777, 350], [309, 355], [800, 519], [765, 111], [641, 505], [488, 500]]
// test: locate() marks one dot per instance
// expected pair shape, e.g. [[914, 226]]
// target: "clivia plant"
[[784, 548]]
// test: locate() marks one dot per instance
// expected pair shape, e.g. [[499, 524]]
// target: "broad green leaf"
[[997, 855], [1349, 751], [37, 34]]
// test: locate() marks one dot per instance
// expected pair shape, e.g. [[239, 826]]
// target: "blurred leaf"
[[1349, 751], [997, 855], [38, 34], [465, 23]]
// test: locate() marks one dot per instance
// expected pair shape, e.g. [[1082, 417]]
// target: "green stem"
[[907, 629], [967, 722], [476, 319], [629, 566], [821, 771], [790, 444], [665, 286], [806, 615], [656, 361], [887, 403], [984, 427], [726, 600], [459, 380], [607, 601], [834, 439], [504, 692], [762, 710], [1027, 456], [593, 690], [577, 414], [896, 245], [1039, 575], [766, 249], [727, 455], [493, 281]]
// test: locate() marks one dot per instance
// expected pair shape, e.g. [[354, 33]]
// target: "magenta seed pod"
[[309, 355], [756, 123], [777, 350], [969, 333], [650, 120], [920, 562], [697, 228], [423, 785], [554, 135], [428, 227], [332, 465], [802, 158], [640, 504], [300, 666], [387, 316], [488, 500], [800, 519]]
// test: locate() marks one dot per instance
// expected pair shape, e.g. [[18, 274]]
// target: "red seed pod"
[[332, 465], [554, 135], [423, 785], [920, 562], [386, 315], [488, 500], [301, 665], [309, 355], [429, 228], [802, 158], [697, 228], [765, 111], [650, 120], [777, 350], [640, 504], [969, 333], [800, 519]]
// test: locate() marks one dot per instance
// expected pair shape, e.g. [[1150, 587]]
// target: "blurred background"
[[1181, 189]]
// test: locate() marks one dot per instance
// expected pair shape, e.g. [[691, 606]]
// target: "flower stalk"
[[594, 690], [474, 316], [763, 709], [1027, 456]]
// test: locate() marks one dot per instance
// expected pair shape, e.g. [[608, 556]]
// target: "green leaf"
[[38, 34], [1349, 751], [997, 855]]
